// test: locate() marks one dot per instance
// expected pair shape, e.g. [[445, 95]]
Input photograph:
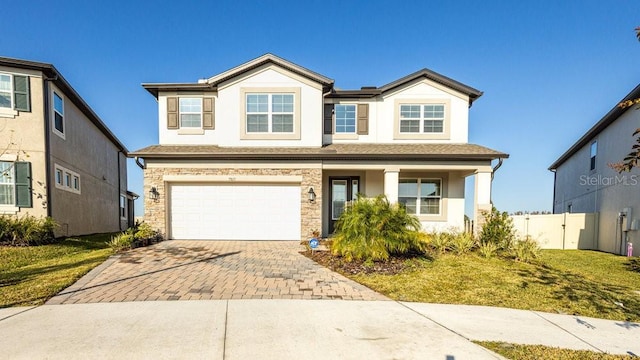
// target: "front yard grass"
[[540, 352], [32, 275], [578, 282]]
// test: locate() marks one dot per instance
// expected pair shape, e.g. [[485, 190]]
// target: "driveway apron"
[[207, 270]]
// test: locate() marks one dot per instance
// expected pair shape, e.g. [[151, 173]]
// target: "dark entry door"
[[342, 190]]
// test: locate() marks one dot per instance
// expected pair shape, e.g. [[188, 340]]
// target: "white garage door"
[[235, 212]]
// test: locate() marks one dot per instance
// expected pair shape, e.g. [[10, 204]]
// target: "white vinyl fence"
[[559, 231]]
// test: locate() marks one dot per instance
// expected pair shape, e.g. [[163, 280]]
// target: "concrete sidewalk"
[[292, 329]]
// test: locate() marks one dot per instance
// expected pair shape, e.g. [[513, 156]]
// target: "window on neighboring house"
[[123, 208], [5, 92], [269, 113], [14, 93], [7, 183], [426, 118], [67, 180], [420, 196], [345, 119], [58, 110], [191, 112], [594, 152]]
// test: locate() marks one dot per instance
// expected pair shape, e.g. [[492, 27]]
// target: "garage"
[[234, 211]]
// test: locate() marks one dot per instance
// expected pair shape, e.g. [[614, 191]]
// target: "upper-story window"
[[270, 113], [593, 153], [426, 118], [58, 113], [6, 98], [345, 119], [190, 112], [14, 93]]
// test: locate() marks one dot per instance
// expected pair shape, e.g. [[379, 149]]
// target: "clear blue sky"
[[549, 69]]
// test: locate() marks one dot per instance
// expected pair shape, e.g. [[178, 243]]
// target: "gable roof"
[[270, 59], [416, 152], [56, 77], [607, 120]]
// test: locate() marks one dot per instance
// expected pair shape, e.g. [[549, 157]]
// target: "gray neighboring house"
[[584, 183], [57, 158]]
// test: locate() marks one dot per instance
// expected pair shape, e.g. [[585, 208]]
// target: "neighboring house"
[[584, 183], [57, 158], [270, 150]]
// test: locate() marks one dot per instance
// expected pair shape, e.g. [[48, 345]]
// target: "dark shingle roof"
[[327, 152]]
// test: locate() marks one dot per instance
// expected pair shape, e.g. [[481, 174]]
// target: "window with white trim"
[[190, 112], [6, 95], [123, 207], [593, 153], [7, 183], [345, 119], [58, 113], [420, 196], [422, 118], [269, 113], [67, 180]]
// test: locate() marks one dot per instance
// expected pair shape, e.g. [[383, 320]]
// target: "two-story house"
[[57, 158], [270, 150], [585, 183]]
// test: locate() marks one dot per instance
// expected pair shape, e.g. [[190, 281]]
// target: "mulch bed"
[[394, 265]]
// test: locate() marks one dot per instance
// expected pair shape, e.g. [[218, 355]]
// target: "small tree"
[[497, 229]]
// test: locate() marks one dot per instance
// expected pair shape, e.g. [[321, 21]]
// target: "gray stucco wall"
[[88, 152], [603, 190]]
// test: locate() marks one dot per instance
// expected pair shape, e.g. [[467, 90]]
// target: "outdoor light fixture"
[[154, 194], [312, 195]]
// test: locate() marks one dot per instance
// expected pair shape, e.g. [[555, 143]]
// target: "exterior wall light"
[[154, 194], [312, 195]]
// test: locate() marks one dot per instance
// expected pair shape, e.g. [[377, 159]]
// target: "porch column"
[[391, 184], [482, 197]]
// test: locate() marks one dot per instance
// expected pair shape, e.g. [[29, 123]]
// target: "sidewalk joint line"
[[567, 331], [18, 313]]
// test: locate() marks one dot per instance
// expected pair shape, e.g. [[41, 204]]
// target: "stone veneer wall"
[[311, 216]]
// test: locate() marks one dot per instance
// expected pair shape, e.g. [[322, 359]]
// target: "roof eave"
[[54, 75], [155, 88], [320, 156], [602, 124]]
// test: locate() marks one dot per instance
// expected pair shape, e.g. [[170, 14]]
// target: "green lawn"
[[539, 352], [578, 282], [31, 275]]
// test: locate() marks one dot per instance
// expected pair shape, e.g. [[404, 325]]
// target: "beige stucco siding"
[[86, 151], [22, 138]]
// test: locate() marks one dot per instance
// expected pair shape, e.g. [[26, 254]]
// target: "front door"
[[343, 189]]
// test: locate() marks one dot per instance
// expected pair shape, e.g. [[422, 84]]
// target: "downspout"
[[119, 191], [140, 165], [493, 171], [47, 141], [555, 178]]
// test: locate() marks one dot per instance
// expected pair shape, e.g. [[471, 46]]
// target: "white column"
[[391, 184], [482, 196]]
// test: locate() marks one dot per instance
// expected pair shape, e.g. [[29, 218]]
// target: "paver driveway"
[[203, 270]]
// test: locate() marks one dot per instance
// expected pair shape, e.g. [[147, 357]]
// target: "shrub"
[[27, 230], [462, 242], [371, 229], [497, 229], [525, 250], [487, 250], [121, 242], [440, 242]]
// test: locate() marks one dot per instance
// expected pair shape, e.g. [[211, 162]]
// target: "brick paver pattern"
[[205, 270]]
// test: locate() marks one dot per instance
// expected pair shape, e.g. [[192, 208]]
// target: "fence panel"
[[559, 231]]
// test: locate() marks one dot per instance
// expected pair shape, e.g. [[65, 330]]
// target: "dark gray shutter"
[[208, 114], [172, 113], [23, 184], [328, 118], [363, 119], [22, 100]]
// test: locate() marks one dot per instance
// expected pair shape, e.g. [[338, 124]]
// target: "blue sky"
[[549, 69]]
